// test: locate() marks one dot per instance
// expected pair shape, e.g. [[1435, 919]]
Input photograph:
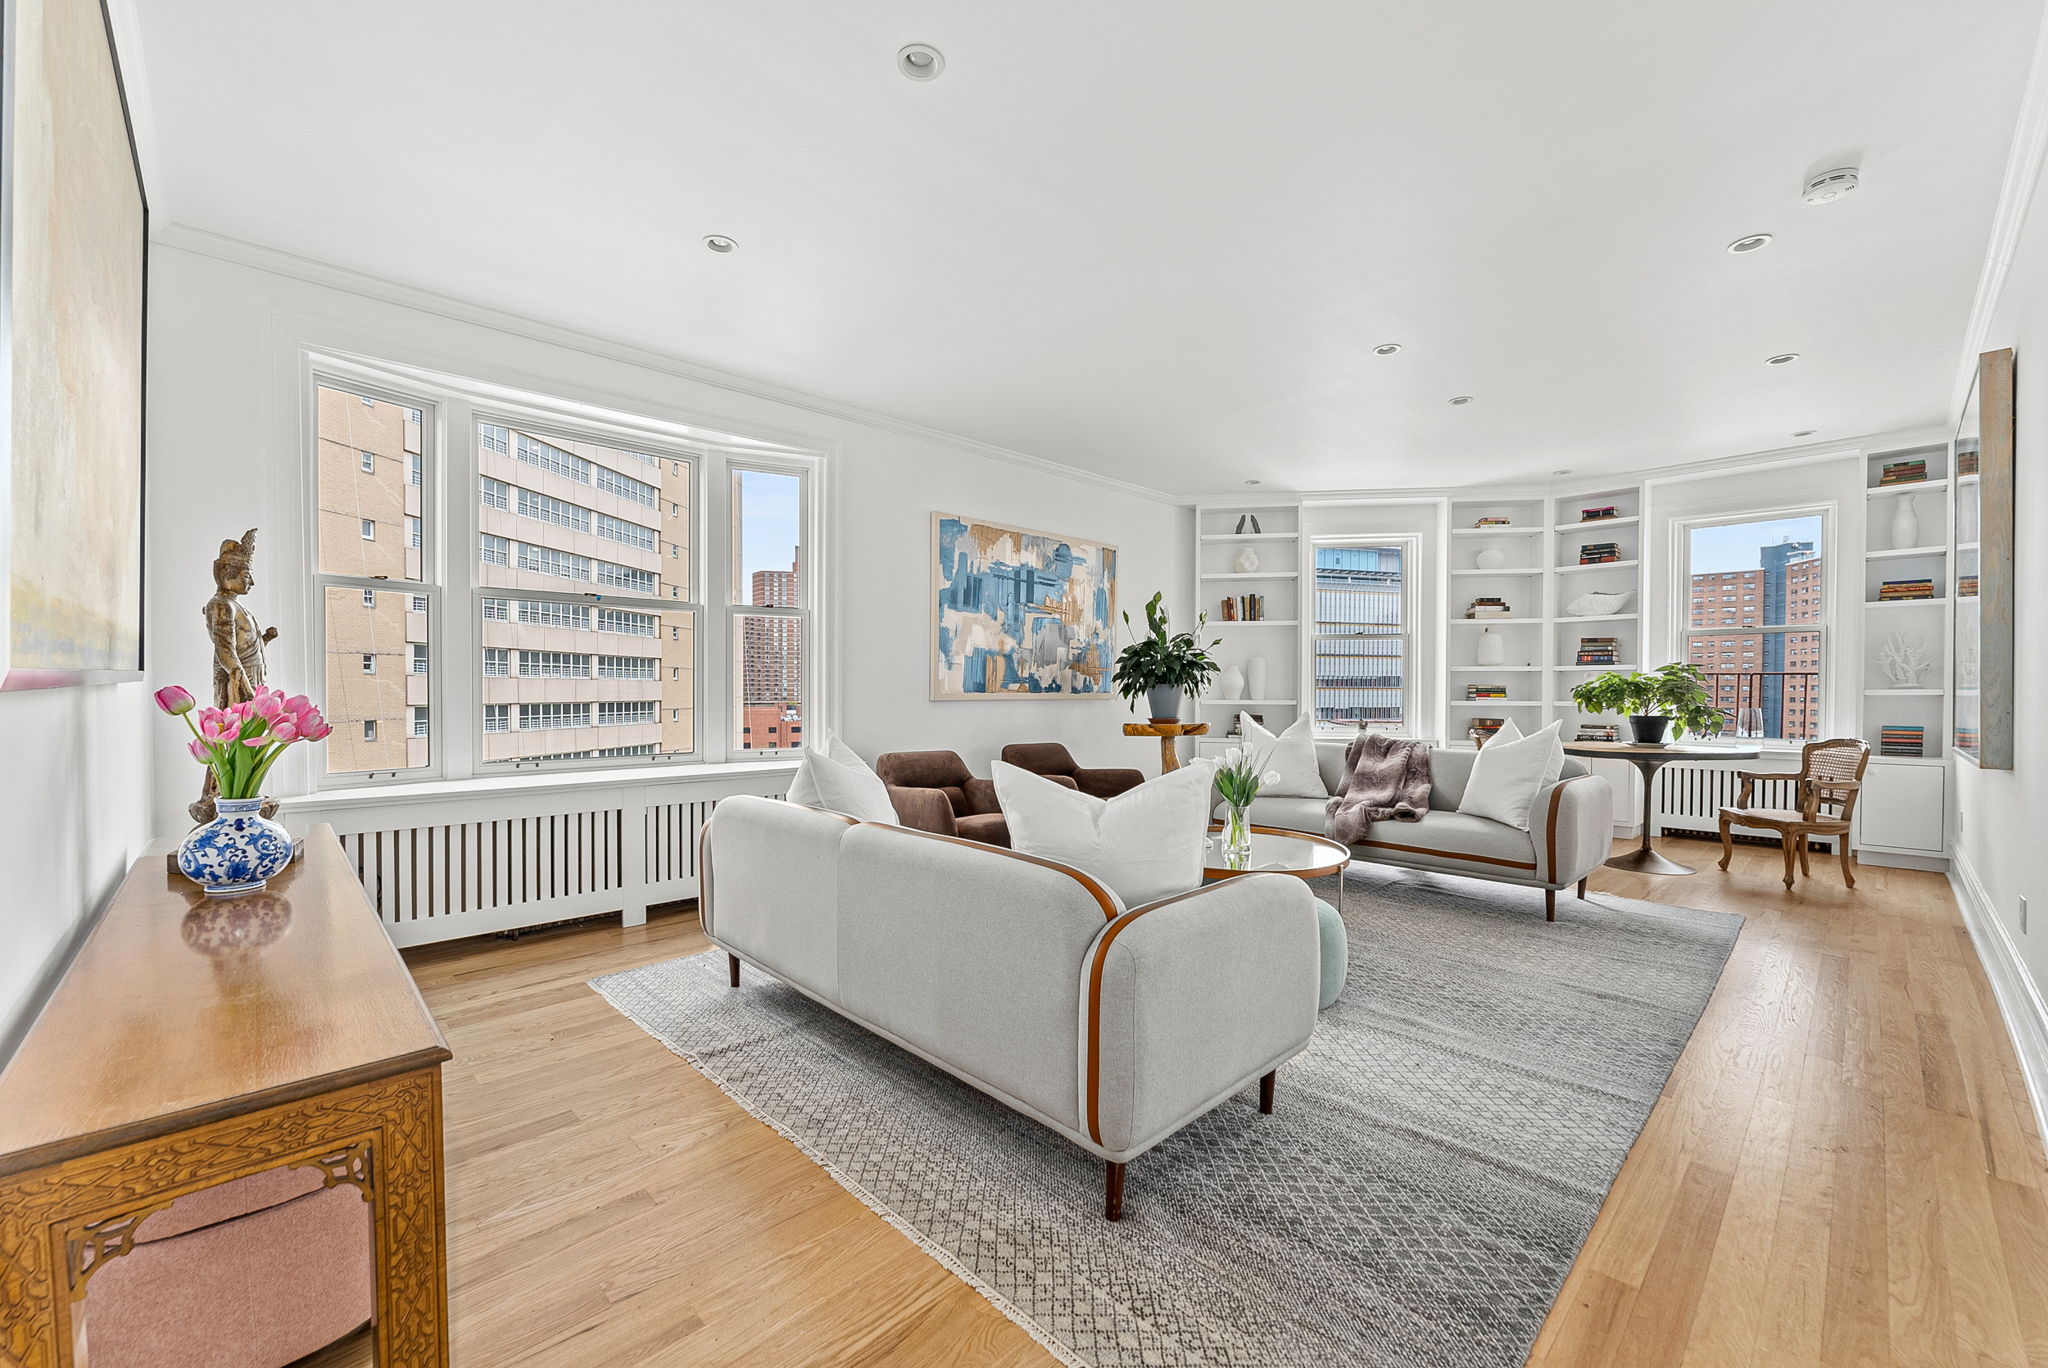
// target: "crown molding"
[[255, 256], [2023, 167]]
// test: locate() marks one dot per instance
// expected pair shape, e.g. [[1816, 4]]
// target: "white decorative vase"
[[1492, 558], [1255, 677], [1905, 523], [1230, 684], [1493, 649], [1247, 561]]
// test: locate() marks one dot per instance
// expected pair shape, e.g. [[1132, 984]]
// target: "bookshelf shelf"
[[1629, 520], [1602, 565]]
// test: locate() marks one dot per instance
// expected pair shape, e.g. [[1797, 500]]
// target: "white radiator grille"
[[444, 867], [1690, 797]]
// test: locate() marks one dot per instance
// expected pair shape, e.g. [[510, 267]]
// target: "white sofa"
[[1570, 831], [1027, 979]]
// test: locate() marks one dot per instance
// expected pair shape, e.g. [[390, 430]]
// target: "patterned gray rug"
[[1437, 1157]]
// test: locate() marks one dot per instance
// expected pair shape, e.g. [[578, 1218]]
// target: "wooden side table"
[[1168, 733]]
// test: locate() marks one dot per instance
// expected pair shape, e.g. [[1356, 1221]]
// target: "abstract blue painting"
[[1019, 614]]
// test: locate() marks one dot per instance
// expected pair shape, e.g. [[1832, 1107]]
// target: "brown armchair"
[[935, 791], [1830, 776], [1051, 759]]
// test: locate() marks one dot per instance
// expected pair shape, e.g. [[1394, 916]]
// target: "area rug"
[[1437, 1157]]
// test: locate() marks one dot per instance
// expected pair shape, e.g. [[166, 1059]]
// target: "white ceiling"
[[1158, 238]]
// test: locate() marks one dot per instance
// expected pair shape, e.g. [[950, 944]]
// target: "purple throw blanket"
[[1384, 780]]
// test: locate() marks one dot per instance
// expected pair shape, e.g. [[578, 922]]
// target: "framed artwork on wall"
[[1985, 591], [1018, 613], [73, 283]]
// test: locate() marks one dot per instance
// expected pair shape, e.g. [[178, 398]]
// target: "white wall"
[[1999, 812], [225, 455], [73, 810]]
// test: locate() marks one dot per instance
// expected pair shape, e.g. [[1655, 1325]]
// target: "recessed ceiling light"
[[1782, 358], [1805, 432], [1461, 399], [1251, 481], [1829, 186], [1750, 243], [1560, 472], [920, 62], [1386, 349], [719, 242]]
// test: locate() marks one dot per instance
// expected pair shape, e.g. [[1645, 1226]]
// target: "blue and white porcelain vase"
[[237, 851]]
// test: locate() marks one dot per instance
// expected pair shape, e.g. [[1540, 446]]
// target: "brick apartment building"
[[611, 676], [1768, 682], [771, 666]]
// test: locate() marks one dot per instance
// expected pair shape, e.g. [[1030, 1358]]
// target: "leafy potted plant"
[[1654, 700], [1163, 664]]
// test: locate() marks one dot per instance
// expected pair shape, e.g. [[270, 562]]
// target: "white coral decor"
[[1904, 659]]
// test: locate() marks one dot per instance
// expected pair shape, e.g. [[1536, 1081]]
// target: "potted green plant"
[[1163, 664], [1653, 700]]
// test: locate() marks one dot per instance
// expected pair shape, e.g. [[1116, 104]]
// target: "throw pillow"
[[1143, 845], [1510, 732], [1291, 755], [1508, 775], [832, 776]]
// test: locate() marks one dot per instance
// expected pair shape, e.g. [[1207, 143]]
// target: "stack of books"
[[1491, 522], [1596, 514], [1489, 606], [1902, 472], [1599, 553], [1245, 608], [1598, 731], [1899, 740], [1968, 739], [1599, 651], [1968, 462], [1486, 691], [1897, 591], [1966, 586], [1482, 729]]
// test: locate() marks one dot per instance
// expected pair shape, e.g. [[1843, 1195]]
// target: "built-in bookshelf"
[[1596, 617], [1248, 559], [1906, 594], [1497, 595]]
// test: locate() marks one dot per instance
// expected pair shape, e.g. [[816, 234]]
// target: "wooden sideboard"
[[196, 1041]]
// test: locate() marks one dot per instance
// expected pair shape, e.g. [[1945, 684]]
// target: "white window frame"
[[1410, 546], [1825, 697], [451, 408], [807, 581]]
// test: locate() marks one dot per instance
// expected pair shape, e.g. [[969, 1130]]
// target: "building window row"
[[549, 510]]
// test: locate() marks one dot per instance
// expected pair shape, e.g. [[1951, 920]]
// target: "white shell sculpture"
[[1904, 659], [1247, 561], [1597, 604]]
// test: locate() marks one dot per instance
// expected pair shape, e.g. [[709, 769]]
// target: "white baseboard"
[[2019, 1000], [1888, 859]]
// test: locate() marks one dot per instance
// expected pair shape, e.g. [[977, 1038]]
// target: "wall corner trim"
[[2019, 1000]]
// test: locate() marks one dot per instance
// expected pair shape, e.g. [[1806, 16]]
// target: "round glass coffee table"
[[1275, 851]]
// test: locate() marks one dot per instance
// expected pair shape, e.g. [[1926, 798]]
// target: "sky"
[[1735, 546], [770, 509]]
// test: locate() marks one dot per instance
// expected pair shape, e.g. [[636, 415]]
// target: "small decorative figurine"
[[237, 646]]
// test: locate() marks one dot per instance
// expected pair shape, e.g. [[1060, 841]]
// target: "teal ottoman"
[[1336, 953]]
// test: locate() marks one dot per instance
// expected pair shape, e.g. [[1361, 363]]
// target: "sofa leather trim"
[[1093, 1112], [1556, 798], [1529, 865], [1101, 895]]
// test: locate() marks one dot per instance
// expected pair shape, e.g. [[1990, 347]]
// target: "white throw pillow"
[[1144, 844], [1291, 754], [832, 776], [1509, 774], [1510, 732]]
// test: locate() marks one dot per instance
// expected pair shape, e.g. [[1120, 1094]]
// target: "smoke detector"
[[1830, 186]]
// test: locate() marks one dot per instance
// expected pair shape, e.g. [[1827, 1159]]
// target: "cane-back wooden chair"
[[1830, 777]]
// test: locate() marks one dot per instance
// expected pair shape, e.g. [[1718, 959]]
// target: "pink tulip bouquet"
[[241, 742]]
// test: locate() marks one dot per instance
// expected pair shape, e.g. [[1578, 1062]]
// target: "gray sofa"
[[1571, 827], [1027, 979]]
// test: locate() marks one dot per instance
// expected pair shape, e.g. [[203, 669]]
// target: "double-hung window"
[[1364, 647], [566, 562], [1764, 658]]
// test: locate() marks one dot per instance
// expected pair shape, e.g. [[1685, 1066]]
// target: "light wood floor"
[[1843, 1170]]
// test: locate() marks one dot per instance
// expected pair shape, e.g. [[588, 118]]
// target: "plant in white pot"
[[1653, 700], [1163, 664]]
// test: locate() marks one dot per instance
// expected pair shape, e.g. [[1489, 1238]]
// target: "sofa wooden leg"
[[1113, 1193], [1582, 890], [734, 962], [1550, 904], [1266, 1091]]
